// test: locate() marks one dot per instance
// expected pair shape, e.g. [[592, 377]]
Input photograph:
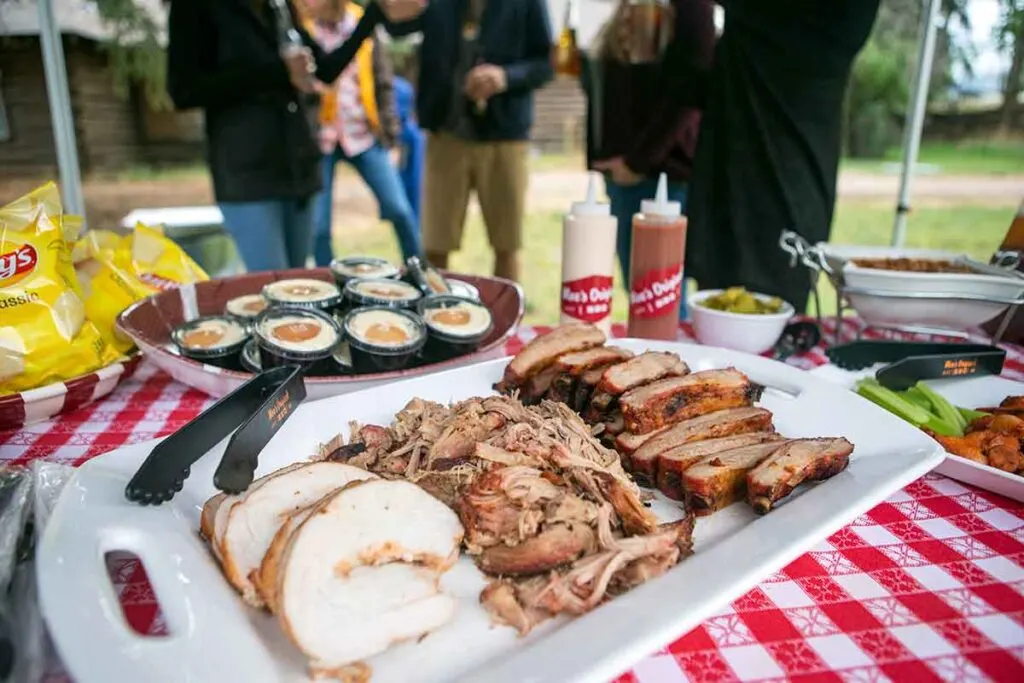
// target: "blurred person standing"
[[480, 62], [412, 143], [237, 61], [625, 138], [359, 123], [769, 145]]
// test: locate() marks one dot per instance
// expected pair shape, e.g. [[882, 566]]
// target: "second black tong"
[[257, 409]]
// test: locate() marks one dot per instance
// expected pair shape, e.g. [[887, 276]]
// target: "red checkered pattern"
[[927, 586]]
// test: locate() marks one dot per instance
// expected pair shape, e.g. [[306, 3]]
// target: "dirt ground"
[[108, 200]]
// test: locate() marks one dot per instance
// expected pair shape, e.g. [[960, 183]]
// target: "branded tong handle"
[[168, 465], [905, 373], [865, 353]]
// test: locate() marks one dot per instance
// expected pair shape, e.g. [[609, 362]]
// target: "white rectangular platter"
[[215, 639], [971, 392]]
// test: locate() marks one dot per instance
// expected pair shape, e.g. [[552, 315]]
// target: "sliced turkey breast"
[[266, 577], [223, 509], [209, 514], [337, 619], [255, 519]]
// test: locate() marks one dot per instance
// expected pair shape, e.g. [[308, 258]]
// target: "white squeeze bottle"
[[588, 261]]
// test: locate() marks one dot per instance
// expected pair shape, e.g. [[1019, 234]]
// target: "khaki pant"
[[497, 171]]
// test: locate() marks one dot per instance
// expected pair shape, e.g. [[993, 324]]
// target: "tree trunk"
[[1011, 90]]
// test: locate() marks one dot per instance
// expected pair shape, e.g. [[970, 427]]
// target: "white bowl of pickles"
[[737, 319]]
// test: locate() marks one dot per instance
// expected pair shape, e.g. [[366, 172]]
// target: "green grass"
[[979, 157], [973, 230]]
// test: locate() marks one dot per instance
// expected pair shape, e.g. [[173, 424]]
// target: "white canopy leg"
[[60, 109], [915, 116]]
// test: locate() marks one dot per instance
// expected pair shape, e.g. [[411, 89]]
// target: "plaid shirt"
[[351, 129]]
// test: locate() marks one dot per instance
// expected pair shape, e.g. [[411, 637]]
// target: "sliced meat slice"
[[570, 369], [209, 514], [556, 546], [255, 519], [545, 349], [798, 461], [627, 443], [266, 578], [339, 619], [580, 361], [670, 400], [642, 369], [536, 388], [673, 462], [644, 460], [720, 480], [223, 509]]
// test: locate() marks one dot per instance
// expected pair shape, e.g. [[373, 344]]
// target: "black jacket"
[[223, 57], [514, 34]]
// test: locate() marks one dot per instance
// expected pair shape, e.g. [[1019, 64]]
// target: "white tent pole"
[[60, 109], [915, 116]]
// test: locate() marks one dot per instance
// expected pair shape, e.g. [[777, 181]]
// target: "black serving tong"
[[798, 337], [909, 362], [257, 409]]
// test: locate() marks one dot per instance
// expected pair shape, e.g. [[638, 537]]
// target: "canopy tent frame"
[[61, 118], [67, 150]]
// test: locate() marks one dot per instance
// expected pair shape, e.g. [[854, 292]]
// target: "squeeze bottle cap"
[[591, 207], [660, 205]]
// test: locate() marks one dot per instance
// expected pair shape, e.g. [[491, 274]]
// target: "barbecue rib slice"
[[674, 462], [670, 400], [545, 349], [637, 371], [717, 481], [797, 461], [644, 461], [570, 367]]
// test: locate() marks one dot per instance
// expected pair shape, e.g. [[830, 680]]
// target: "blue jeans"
[[625, 201], [270, 235], [382, 178]]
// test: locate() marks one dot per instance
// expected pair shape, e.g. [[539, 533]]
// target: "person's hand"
[[398, 11], [621, 173], [484, 82], [301, 66]]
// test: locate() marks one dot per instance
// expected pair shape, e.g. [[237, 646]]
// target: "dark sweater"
[[514, 34], [223, 57], [626, 116]]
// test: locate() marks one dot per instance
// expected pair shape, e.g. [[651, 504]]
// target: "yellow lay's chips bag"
[[116, 271], [44, 334]]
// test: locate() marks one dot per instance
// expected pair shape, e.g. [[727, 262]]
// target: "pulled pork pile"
[[546, 507]]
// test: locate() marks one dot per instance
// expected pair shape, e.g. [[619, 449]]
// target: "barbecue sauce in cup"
[[656, 267]]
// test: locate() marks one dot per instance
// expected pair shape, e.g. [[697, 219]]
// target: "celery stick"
[[943, 408], [893, 402], [970, 415], [940, 426], [917, 398]]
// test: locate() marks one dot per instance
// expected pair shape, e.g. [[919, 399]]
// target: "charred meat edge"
[[670, 400], [798, 461], [545, 349], [644, 461], [674, 462], [717, 481]]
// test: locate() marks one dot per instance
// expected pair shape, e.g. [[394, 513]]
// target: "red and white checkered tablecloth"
[[927, 586]]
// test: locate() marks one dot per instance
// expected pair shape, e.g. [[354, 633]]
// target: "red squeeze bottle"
[[656, 267]]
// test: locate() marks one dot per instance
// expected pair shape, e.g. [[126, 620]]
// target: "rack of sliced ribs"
[[697, 437]]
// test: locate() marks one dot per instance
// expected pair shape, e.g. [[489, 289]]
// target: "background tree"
[[1010, 37]]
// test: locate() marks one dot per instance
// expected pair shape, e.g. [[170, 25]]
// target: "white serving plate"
[[214, 638], [971, 392], [950, 313]]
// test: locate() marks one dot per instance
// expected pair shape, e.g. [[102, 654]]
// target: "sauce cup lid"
[[302, 293], [412, 324], [210, 336], [363, 267], [448, 329], [298, 334], [381, 292]]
